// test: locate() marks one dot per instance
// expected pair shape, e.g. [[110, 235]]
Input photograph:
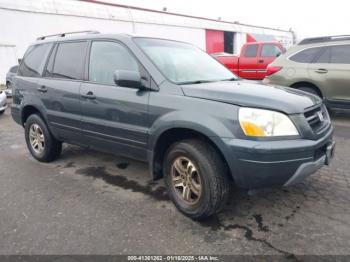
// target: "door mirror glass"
[[126, 78]]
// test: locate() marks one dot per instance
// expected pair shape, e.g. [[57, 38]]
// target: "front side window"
[[340, 54], [106, 58], [251, 51], [34, 60], [270, 51], [306, 56], [183, 63], [69, 60]]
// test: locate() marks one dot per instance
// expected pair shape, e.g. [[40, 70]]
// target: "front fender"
[[204, 124]]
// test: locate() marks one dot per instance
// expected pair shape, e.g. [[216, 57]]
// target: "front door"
[[114, 118]]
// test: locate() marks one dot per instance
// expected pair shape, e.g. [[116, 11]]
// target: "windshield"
[[183, 63]]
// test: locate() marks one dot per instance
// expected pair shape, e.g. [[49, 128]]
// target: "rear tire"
[[40, 142], [310, 90], [206, 178], [1, 112]]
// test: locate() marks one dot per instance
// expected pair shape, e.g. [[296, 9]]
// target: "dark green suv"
[[317, 65], [173, 106]]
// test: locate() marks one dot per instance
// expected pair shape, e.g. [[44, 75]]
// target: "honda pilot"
[[173, 106]]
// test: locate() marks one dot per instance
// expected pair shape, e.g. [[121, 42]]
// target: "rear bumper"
[[257, 164]]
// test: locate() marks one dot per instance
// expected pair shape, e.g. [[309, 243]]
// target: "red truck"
[[253, 61]]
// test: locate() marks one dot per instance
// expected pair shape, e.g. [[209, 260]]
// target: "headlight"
[[261, 123]]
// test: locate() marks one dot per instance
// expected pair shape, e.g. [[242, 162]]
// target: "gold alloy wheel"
[[186, 180], [36, 138]]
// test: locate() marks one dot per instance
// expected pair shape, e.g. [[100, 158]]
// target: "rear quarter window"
[[34, 60], [306, 56]]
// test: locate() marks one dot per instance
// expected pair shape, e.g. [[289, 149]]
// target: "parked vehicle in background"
[[3, 101], [253, 60], [320, 66], [170, 104], [9, 80]]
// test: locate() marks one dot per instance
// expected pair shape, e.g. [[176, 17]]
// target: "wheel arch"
[[307, 84], [29, 110], [170, 136]]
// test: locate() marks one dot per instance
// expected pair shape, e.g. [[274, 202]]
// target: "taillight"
[[272, 70]]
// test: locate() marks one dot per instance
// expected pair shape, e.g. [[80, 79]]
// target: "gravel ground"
[[89, 202]]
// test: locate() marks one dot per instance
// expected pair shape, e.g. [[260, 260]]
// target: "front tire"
[[40, 142], [196, 178], [1, 112]]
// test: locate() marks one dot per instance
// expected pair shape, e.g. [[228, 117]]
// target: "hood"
[[254, 94]]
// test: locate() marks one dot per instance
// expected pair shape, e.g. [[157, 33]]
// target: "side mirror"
[[126, 78], [19, 60], [278, 54]]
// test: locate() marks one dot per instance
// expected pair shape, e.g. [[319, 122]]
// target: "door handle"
[[42, 89], [261, 61], [89, 95], [321, 71]]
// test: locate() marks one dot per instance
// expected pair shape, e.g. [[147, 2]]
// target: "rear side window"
[[340, 54], [306, 56], [34, 61], [324, 57], [69, 60], [106, 58], [251, 51], [270, 51]]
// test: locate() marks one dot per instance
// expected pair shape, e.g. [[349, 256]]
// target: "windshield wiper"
[[230, 79], [195, 82]]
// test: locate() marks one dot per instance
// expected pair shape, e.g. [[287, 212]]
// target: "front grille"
[[318, 118]]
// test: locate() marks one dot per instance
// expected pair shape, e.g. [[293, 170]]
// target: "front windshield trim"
[[185, 43]]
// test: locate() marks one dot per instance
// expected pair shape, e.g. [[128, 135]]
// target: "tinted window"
[[325, 56], [69, 60], [251, 51], [306, 56], [49, 67], [270, 51], [106, 58], [340, 54], [34, 61]]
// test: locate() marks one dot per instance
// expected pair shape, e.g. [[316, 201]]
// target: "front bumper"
[[257, 164]]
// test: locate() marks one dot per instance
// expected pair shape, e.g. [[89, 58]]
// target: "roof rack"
[[68, 33], [322, 39]]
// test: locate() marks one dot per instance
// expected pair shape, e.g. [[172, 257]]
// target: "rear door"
[[60, 86], [331, 72], [268, 53], [29, 73], [248, 61], [115, 118]]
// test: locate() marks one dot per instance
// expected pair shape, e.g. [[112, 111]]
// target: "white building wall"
[[22, 21]]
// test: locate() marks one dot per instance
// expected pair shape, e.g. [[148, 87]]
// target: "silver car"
[[3, 102], [9, 80]]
